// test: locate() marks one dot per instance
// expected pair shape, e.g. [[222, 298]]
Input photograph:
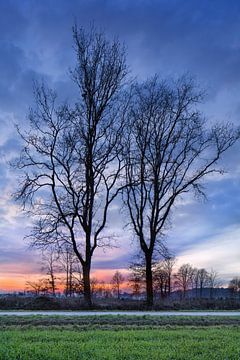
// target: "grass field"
[[119, 338]]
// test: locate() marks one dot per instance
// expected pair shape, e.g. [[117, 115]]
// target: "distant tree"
[[213, 281], [169, 150], [117, 281], [101, 289], [184, 277], [73, 279], [135, 284], [203, 280], [94, 285], [168, 265], [160, 279], [50, 265], [136, 278], [71, 157], [234, 286], [195, 281], [38, 287]]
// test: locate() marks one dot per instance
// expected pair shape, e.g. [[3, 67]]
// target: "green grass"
[[120, 338], [113, 322]]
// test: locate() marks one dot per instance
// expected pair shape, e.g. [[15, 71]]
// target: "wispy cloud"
[[167, 37]]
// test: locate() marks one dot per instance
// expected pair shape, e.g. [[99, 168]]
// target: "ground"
[[119, 338]]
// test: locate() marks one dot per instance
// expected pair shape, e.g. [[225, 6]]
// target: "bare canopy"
[[71, 159], [169, 151]]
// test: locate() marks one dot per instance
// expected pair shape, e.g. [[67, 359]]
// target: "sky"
[[167, 37]]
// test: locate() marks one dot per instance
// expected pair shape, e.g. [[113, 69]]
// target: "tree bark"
[[87, 285], [149, 280]]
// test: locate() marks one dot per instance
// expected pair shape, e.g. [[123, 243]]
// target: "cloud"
[[168, 37], [220, 252]]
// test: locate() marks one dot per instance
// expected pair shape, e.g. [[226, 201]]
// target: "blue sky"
[[165, 37]]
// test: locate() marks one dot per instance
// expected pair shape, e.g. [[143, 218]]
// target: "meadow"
[[119, 338]]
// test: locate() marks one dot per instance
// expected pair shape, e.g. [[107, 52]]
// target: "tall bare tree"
[[71, 159], [169, 151]]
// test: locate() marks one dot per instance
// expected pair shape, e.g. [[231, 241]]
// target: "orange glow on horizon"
[[17, 282]]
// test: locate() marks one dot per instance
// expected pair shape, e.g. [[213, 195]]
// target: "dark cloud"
[[169, 37]]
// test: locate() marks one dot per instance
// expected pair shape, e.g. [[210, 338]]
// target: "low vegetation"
[[113, 322], [12, 302], [113, 337]]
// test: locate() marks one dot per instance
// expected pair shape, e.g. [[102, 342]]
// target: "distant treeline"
[[63, 277]]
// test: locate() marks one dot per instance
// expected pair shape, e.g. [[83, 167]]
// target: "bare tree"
[[184, 278], [136, 278], [38, 287], [117, 281], [213, 281], [195, 281], [73, 279], [100, 290], [160, 279], [200, 280], [94, 285], [50, 266], [234, 286], [71, 160], [169, 151], [168, 265], [203, 280]]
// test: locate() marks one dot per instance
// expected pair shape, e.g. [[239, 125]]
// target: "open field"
[[111, 337]]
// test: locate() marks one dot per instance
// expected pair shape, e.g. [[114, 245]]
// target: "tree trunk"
[[53, 285], [169, 285], [211, 292], [149, 280], [87, 285]]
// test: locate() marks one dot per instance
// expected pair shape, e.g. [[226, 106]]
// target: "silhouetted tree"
[[213, 281], [183, 278], [160, 279], [71, 159], [234, 286], [73, 274], [136, 278], [195, 281], [168, 265], [117, 281], [38, 287], [50, 265], [169, 151], [200, 280]]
